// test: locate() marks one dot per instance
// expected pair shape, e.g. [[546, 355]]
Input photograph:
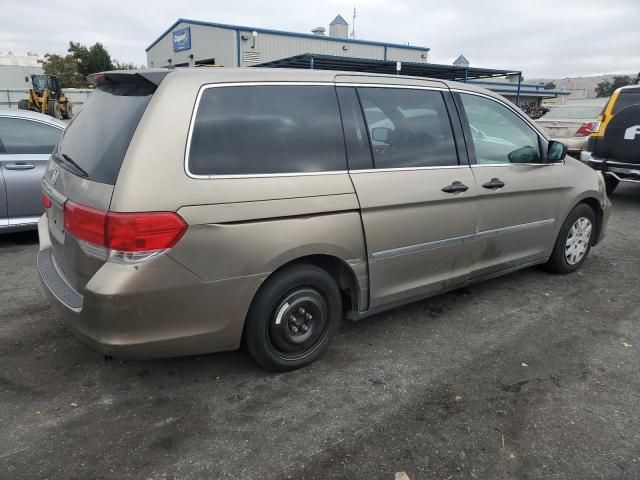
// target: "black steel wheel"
[[293, 318]]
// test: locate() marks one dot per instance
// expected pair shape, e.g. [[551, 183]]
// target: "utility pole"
[[353, 23]]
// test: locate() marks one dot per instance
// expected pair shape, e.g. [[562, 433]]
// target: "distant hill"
[[580, 87]]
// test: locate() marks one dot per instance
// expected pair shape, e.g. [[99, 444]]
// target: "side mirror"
[[526, 154], [556, 152], [380, 134]]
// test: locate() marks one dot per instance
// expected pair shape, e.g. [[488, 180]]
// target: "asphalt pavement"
[[529, 376]]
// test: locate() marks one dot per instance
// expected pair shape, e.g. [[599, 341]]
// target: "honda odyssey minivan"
[[188, 210]]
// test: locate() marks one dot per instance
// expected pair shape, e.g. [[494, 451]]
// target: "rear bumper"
[[624, 172], [158, 309]]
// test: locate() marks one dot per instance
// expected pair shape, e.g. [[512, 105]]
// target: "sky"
[[543, 38]]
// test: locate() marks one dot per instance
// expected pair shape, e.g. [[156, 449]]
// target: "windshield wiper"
[[61, 157]]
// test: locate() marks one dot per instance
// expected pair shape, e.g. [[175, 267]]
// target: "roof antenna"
[[353, 23]]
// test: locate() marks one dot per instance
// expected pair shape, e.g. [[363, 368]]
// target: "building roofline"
[[284, 33]]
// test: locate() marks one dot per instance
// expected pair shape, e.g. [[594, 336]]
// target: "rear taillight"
[[140, 232], [587, 129], [85, 223], [46, 201], [123, 237]]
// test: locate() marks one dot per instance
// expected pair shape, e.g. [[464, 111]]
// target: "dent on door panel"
[[516, 223], [224, 250]]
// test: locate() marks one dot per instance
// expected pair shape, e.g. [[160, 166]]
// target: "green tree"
[[91, 59], [65, 68], [606, 88], [81, 61], [123, 66], [550, 86]]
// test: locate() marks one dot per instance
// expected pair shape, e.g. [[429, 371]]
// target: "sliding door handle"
[[455, 187], [494, 184]]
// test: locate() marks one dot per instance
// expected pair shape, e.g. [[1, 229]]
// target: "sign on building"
[[182, 39]]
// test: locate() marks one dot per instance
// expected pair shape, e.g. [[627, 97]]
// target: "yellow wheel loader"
[[47, 97]]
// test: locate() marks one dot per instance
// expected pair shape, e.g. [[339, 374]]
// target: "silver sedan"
[[27, 139]]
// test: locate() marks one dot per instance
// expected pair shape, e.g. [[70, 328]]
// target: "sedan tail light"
[[587, 129], [46, 201], [123, 237]]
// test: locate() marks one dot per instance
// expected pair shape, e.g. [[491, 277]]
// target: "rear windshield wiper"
[[62, 158]]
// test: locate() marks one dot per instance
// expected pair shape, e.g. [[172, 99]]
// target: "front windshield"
[[39, 82], [585, 111]]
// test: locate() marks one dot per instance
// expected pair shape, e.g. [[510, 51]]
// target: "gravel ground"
[[527, 376]]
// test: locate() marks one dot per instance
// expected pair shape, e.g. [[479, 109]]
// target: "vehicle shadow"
[[18, 238]]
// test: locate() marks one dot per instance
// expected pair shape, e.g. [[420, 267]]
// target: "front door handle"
[[20, 166], [494, 184], [455, 187]]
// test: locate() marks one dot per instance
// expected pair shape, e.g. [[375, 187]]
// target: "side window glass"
[[19, 136], [267, 129], [355, 130], [408, 128], [499, 135]]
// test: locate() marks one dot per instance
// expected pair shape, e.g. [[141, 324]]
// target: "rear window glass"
[[626, 99], [99, 135], [267, 129]]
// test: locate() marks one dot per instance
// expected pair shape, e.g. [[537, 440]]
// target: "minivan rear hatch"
[[84, 168]]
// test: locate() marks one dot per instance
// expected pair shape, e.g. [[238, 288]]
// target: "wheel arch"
[[595, 205], [343, 274], [341, 271], [593, 199]]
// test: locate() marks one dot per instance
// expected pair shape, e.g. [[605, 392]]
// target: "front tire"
[[574, 240], [67, 113], [293, 318], [54, 110], [23, 104]]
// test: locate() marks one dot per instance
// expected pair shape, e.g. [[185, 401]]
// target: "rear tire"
[[23, 105], [574, 240], [610, 183], [293, 318]]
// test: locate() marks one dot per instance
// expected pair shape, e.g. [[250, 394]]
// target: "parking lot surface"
[[530, 376]]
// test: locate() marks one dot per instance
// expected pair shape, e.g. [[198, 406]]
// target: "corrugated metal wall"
[[206, 42], [406, 55], [222, 44], [17, 76], [274, 47]]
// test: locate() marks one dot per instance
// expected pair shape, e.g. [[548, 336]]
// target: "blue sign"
[[182, 39]]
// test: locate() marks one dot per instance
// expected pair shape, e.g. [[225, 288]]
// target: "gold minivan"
[[188, 210]]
